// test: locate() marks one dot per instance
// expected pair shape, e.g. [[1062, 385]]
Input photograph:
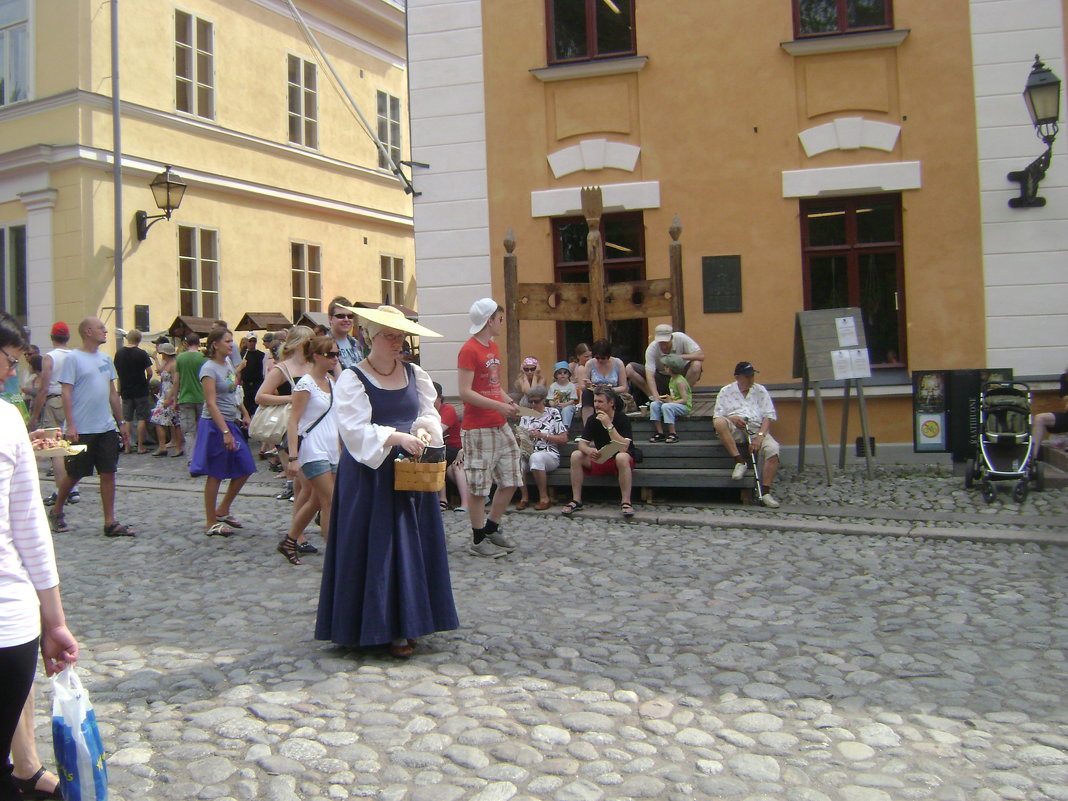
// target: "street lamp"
[[167, 190], [1043, 98]]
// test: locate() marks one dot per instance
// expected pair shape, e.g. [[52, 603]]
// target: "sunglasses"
[[530, 369], [331, 354], [344, 316]]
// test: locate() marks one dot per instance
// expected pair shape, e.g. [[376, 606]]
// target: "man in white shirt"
[[652, 377], [48, 404], [745, 408]]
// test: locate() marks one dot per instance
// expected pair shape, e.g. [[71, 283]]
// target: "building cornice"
[[590, 69], [845, 42]]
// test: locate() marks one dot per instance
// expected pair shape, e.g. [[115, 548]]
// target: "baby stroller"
[[1003, 442]]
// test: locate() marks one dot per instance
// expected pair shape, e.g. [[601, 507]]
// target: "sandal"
[[220, 529], [58, 522], [444, 506], [306, 547], [671, 438], [656, 438], [571, 508], [519, 507], [627, 509], [288, 548], [28, 787], [117, 529], [228, 518]]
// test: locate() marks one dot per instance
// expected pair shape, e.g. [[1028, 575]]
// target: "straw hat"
[[392, 317]]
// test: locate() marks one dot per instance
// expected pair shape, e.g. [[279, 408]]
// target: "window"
[[822, 17], [389, 128], [14, 55], [392, 279], [194, 65], [13, 271], [852, 252], [306, 273], [303, 103], [582, 30], [623, 235], [198, 271]]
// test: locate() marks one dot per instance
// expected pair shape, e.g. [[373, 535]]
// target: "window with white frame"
[[307, 277], [303, 89], [194, 65], [13, 271], [392, 279], [198, 271], [14, 51], [389, 128]]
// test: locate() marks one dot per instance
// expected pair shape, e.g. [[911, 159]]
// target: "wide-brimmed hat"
[[392, 317], [166, 348]]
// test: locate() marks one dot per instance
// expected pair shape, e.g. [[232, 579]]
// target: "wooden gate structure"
[[595, 302]]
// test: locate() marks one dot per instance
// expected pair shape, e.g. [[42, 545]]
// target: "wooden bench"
[[697, 460]]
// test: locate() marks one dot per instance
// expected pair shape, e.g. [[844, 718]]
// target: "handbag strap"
[[285, 371], [330, 405]]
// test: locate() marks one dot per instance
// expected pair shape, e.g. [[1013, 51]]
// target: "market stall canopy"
[[312, 319], [263, 321], [183, 325]]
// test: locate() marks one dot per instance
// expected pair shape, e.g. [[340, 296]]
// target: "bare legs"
[[211, 496]]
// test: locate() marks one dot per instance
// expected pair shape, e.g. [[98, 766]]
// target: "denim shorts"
[[317, 468]]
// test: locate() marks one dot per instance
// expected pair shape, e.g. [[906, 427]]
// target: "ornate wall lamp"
[[167, 190], [1043, 98]]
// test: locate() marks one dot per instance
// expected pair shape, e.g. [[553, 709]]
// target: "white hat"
[[390, 317], [480, 314], [663, 333]]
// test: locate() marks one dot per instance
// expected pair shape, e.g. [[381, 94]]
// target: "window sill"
[[590, 69], [845, 42]]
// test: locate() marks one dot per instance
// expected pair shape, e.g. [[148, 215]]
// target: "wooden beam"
[[552, 301], [592, 207], [511, 317], [637, 299]]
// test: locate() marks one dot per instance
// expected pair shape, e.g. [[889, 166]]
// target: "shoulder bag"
[[269, 423]]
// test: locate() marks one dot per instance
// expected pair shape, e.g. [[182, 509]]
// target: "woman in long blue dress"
[[386, 571]]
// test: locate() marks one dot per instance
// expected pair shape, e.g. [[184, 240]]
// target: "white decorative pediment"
[[594, 154], [616, 197], [849, 133]]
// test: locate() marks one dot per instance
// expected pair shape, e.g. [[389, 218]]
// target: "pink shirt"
[[27, 561]]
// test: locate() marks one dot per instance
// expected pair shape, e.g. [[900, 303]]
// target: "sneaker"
[[51, 499], [285, 495], [74, 497], [502, 540], [769, 501], [487, 548], [739, 471]]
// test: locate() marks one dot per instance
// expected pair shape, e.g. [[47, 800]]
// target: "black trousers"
[[17, 665]]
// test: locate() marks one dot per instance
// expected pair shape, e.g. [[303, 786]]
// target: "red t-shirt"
[[450, 422], [485, 362]]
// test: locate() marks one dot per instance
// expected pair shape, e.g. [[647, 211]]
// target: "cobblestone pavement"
[[741, 655]]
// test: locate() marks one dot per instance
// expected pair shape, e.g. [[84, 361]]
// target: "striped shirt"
[[27, 561]]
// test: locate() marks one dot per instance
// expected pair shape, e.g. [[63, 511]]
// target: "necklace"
[[384, 375]]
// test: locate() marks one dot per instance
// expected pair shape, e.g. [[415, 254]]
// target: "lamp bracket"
[[1029, 178], [141, 218]]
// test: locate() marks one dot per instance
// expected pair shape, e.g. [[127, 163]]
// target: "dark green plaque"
[[721, 279]]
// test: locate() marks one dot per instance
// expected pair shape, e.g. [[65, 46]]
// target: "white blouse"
[[321, 444], [366, 441]]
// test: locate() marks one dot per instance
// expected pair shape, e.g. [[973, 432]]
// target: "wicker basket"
[[418, 476]]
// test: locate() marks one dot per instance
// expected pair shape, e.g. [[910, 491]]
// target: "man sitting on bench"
[[743, 415], [608, 426]]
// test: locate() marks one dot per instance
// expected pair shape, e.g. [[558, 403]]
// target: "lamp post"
[[1042, 95], [167, 190]]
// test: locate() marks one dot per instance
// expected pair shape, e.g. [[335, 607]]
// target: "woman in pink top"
[[31, 612]]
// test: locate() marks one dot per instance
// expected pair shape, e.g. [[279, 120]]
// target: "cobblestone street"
[[700, 658]]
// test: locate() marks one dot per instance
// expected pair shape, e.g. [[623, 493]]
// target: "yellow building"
[[818, 153], [289, 199]]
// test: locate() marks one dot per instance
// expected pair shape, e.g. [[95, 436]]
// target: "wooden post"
[[678, 311], [592, 206], [511, 312]]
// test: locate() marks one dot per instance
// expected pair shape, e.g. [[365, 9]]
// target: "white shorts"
[[768, 446]]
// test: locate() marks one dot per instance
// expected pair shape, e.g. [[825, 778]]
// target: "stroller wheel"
[[1019, 492], [969, 474], [989, 492]]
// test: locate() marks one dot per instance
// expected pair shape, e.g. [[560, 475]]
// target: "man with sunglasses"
[[341, 325]]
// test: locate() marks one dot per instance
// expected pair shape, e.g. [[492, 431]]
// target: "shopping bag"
[[80, 759]]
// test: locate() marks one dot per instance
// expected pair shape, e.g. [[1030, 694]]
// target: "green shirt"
[[675, 384], [189, 386]]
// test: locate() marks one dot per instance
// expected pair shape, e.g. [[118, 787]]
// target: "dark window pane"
[[294, 128], [204, 68], [614, 27], [183, 28], [298, 283], [314, 290], [383, 104], [817, 16], [187, 299], [183, 98], [866, 13], [875, 223], [296, 256], [17, 247], [826, 227], [187, 246], [204, 31], [208, 277], [310, 139], [829, 282], [207, 245], [209, 304], [183, 61], [573, 241], [297, 310], [309, 75], [204, 108], [294, 69], [185, 273], [294, 99], [569, 29], [622, 238], [878, 299]]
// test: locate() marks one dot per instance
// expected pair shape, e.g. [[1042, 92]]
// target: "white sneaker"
[[502, 540], [739, 471], [769, 501], [488, 549]]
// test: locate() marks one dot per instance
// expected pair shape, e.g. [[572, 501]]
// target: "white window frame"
[[197, 81], [197, 291], [303, 95], [7, 55], [389, 128], [13, 301], [306, 302], [392, 278]]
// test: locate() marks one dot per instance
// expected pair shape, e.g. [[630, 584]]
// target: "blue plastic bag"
[[80, 759]]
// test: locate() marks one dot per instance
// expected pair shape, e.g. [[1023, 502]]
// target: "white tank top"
[[58, 356]]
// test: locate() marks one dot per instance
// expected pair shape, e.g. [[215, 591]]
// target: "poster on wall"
[[929, 411]]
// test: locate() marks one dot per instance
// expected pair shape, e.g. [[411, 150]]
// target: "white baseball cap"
[[480, 314], [663, 333]]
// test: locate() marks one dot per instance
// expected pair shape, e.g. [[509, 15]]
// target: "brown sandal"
[[288, 549]]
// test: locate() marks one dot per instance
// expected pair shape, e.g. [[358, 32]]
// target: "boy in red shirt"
[[491, 453]]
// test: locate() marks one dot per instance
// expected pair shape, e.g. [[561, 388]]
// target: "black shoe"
[[51, 499], [275, 467], [306, 547]]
